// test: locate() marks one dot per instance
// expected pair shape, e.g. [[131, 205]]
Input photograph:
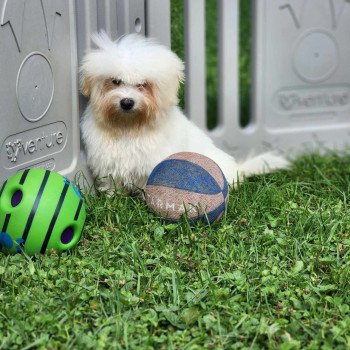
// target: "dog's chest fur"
[[128, 158]]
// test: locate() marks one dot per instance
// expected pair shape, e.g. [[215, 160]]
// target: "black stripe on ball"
[[3, 187], [78, 210], [215, 213], [226, 188], [35, 206], [23, 177], [54, 218], [6, 223]]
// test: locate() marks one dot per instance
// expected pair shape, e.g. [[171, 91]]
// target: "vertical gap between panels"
[[245, 29], [178, 38], [100, 16], [211, 36]]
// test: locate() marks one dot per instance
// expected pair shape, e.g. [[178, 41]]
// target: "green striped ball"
[[40, 210]]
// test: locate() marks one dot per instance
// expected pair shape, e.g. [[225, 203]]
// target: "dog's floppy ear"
[[85, 83]]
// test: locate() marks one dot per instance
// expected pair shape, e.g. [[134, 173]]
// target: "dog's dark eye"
[[116, 82], [141, 86]]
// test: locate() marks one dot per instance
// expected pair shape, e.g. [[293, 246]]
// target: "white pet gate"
[[300, 85], [300, 75]]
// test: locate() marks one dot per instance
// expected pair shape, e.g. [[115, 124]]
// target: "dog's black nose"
[[126, 104]]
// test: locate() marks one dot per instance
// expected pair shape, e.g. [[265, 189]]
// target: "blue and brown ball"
[[40, 210], [187, 183]]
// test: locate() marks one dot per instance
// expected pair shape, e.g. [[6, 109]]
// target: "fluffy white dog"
[[133, 122]]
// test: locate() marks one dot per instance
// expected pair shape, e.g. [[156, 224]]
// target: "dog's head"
[[130, 81]]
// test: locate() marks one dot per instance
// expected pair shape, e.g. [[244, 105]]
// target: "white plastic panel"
[[107, 17], [131, 16], [300, 80], [41, 45], [195, 61], [302, 85], [116, 17], [86, 19], [228, 129], [158, 20], [38, 87]]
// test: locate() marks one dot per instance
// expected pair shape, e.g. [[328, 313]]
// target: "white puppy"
[[133, 122]]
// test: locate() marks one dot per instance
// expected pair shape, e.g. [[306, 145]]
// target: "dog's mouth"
[[126, 116], [128, 113]]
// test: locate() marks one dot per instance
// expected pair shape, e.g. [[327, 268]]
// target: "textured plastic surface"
[[42, 43], [302, 75], [301, 82], [158, 20], [40, 210], [38, 87], [116, 17]]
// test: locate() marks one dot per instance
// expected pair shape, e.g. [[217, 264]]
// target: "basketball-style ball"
[[40, 210], [188, 184]]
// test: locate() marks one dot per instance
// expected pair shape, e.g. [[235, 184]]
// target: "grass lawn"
[[274, 273]]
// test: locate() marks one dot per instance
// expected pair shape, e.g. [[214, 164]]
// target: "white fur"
[[128, 155]]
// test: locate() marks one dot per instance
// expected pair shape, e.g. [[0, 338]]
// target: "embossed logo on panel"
[[300, 100], [33, 144]]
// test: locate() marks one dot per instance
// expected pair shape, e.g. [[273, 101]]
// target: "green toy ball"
[[40, 210]]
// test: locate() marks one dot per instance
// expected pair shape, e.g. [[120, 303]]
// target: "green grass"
[[274, 273]]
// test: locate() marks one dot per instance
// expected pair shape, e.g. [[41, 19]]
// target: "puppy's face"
[[118, 104], [131, 82]]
